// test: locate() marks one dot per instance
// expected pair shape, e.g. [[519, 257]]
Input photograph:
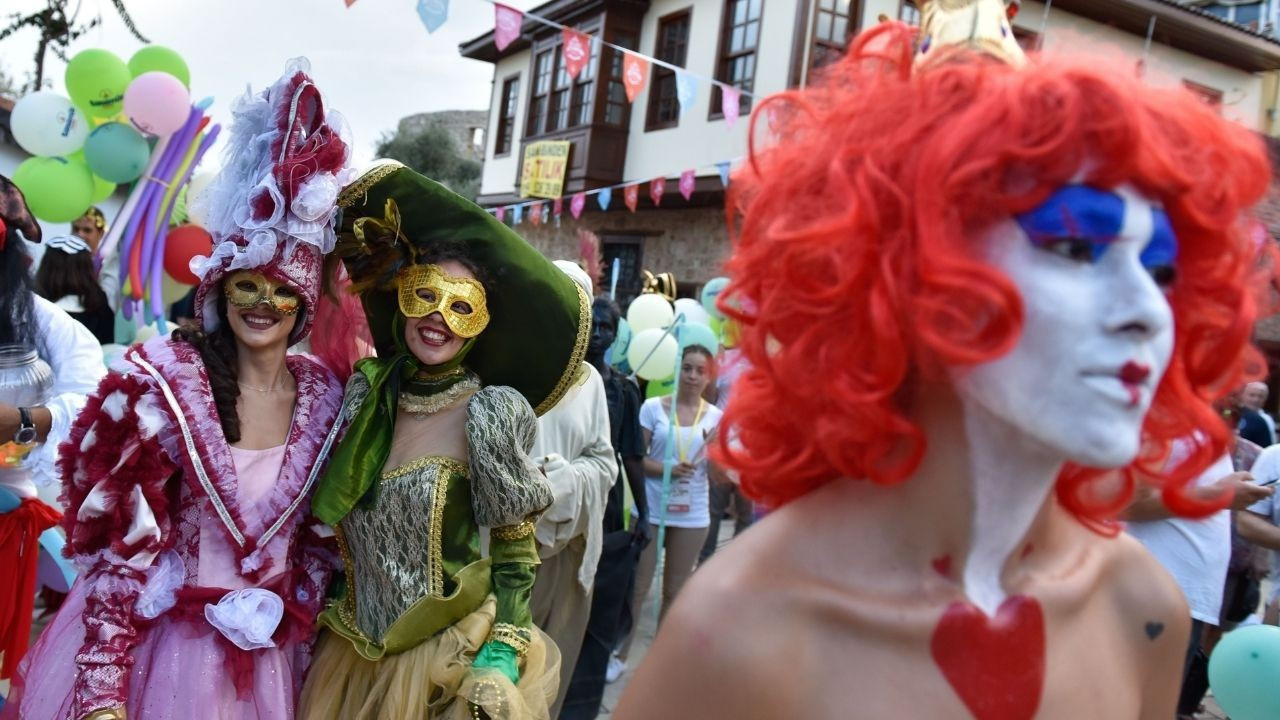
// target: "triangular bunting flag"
[[506, 25], [517, 214], [631, 195], [604, 197], [576, 47], [501, 213], [535, 213], [557, 207], [434, 13], [687, 180], [350, 2], [576, 203], [635, 72], [723, 167], [657, 188], [686, 90], [730, 104]]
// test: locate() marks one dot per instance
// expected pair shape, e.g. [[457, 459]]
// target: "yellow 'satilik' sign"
[[544, 166]]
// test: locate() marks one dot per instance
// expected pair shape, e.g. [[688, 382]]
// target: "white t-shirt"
[[76, 360], [686, 504], [1266, 469], [1195, 552]]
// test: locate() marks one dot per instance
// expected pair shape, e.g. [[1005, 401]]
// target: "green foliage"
[[434, 152]]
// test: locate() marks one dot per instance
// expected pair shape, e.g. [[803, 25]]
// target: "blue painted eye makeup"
[[1079, 223], [1076, 221], [1160, 255]]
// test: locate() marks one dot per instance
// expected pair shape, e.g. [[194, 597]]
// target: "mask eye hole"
[[461, 308], [285, 293], [247, 286], [426, 295]]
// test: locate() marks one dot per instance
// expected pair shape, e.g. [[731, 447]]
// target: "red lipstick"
[[1133, 373]]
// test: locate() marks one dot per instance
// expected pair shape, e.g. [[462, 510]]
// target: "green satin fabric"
[[424, 619], [356, 464]]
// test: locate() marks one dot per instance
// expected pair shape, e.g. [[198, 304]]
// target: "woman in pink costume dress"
[[188, 475]]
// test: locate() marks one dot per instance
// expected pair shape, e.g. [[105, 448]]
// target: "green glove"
[[501, 657]]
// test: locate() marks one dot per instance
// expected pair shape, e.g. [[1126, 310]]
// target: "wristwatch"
[[26, 434]]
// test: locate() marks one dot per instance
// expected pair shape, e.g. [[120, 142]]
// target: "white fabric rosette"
[[160, 593], [202, 265], [248, 618], [259, 249]]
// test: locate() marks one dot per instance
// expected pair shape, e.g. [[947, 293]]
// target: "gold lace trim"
[[513, 532], [346, 607], [361, 185], [437, 528], [513, 635], [429, 404], [579, 352], [448, 463]]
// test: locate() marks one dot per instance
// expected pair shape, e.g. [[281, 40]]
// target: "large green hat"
[[540, 320]]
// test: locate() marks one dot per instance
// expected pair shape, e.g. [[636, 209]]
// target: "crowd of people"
[[485, 513], [387, 468]]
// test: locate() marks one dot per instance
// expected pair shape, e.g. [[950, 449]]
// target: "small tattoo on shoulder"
[[1154, 629]]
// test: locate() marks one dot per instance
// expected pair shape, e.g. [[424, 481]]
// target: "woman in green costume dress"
[[475, 332]]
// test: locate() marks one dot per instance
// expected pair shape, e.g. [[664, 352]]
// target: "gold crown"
[[948, 26], [663, 284]]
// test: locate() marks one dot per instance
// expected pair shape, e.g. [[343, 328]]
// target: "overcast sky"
[[375, 61]]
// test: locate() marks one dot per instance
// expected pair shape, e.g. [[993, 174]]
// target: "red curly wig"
[[855, 272]]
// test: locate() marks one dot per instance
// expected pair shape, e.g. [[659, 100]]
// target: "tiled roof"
[[1198, 10]]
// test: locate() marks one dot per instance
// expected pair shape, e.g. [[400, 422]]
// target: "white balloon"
[[649, 311], [693, 311], [45, 123], [197, 202], [651, 355]]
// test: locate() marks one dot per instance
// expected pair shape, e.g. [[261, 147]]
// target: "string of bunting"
[[543, 210], [576, 49]]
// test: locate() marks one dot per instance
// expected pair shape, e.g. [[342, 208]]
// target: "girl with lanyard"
[[685, 511]]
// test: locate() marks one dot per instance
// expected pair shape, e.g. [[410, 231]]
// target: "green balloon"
[[96, 80], [157, 58], [56, 189], [117, 153], [1244, 672], [102, 189], [660, 388]]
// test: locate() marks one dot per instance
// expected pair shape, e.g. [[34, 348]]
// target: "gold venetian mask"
[[246, 289], [426, 289]]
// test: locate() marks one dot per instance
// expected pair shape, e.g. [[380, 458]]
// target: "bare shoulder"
[[745, 619], [1140, 585], [1153, 616]]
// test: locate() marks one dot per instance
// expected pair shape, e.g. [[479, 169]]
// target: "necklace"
[[271, 388], [415, 404], [682, 450]]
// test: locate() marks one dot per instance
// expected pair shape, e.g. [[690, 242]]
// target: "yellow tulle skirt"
[[433, 681]]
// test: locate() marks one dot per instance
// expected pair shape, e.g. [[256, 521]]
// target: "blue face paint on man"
[[1080, 222]]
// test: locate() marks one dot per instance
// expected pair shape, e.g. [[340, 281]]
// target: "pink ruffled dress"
[[199, 588]]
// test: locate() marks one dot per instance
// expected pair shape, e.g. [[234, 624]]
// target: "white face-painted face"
[[1091, 266]]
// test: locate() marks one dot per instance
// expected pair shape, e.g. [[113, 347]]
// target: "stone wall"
[[691, 243], [461, 124]]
